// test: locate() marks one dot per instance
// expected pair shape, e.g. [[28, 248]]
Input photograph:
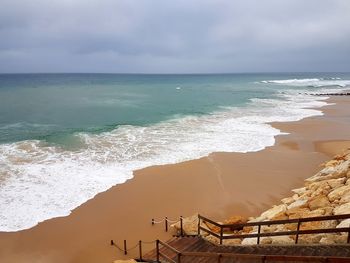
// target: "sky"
[[167, 36]]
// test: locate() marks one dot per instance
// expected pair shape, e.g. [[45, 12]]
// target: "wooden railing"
[[177, 256], [161, 254], [259, 235]]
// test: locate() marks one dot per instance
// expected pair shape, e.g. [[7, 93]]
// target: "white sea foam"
[[314, 82], [40, 181]]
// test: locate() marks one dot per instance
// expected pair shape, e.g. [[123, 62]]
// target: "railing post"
[[157, 250], [166, 224], [178, 257], [221, 234], [219, 257], [181, 226], [199, 224], [140, 249], [348, 241], [297, 235], [125, 249], [258, 240], [152, 221]]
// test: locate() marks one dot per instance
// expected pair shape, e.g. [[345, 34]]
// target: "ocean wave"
[[45, 181], [26, 125], [310, 82]]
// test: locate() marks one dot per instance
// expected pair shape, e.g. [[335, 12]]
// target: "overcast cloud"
[[163, 36]]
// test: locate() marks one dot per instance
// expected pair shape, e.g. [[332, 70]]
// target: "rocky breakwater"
[[325, 193]]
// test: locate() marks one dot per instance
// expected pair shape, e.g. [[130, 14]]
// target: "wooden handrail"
[[210, 221], [258, 235], [264, 258], [167, 246], [286, 233], [277, 222], [209, 232]]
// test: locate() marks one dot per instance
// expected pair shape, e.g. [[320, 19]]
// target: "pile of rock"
[[325, 193]]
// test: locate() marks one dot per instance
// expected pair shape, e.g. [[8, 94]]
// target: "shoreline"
[[125, 211]]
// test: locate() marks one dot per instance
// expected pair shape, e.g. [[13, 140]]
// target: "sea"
[[66, 137]]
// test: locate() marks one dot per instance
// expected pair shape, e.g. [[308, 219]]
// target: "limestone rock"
[[265, 240], [342, 168], [321, 175], [335, 183], [295, 197], [212, 239], [318, 202], [343, 209], [317, 185], [190, 225], [288, 200], [331, 172], [305, 212], [299, 191], [328, 211], [273, 228], [250, 241], [282, 240], [327, 241], [247, 229], [331, 163], [341, 239], [212, 227], [298, 203], [310, 239], [236, 220], [324, 211], [273, 212], [280, 216], [342, 157], [338, 193], [334, 239], [318, 225], [297, 212], [231, 242], [345, 198], [344, 223]]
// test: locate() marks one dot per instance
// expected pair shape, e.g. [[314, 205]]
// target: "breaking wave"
[[40, 181]]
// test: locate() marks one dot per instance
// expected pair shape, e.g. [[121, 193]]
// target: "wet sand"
[[217, 186]]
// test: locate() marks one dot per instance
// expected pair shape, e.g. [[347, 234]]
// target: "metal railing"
[[259, 234]]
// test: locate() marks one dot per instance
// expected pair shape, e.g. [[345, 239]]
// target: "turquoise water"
[[53, 106], [66, 137]]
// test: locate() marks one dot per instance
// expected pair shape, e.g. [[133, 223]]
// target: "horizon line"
[[191, 73]]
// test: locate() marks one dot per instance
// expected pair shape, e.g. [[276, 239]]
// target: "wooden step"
[[198, 244]]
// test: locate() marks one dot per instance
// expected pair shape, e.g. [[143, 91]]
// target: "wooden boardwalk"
[[196, 249]]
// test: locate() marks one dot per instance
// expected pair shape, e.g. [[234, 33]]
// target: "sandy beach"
[[217, 186]]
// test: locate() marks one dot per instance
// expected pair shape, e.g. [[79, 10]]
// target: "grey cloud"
[[174, 36]]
